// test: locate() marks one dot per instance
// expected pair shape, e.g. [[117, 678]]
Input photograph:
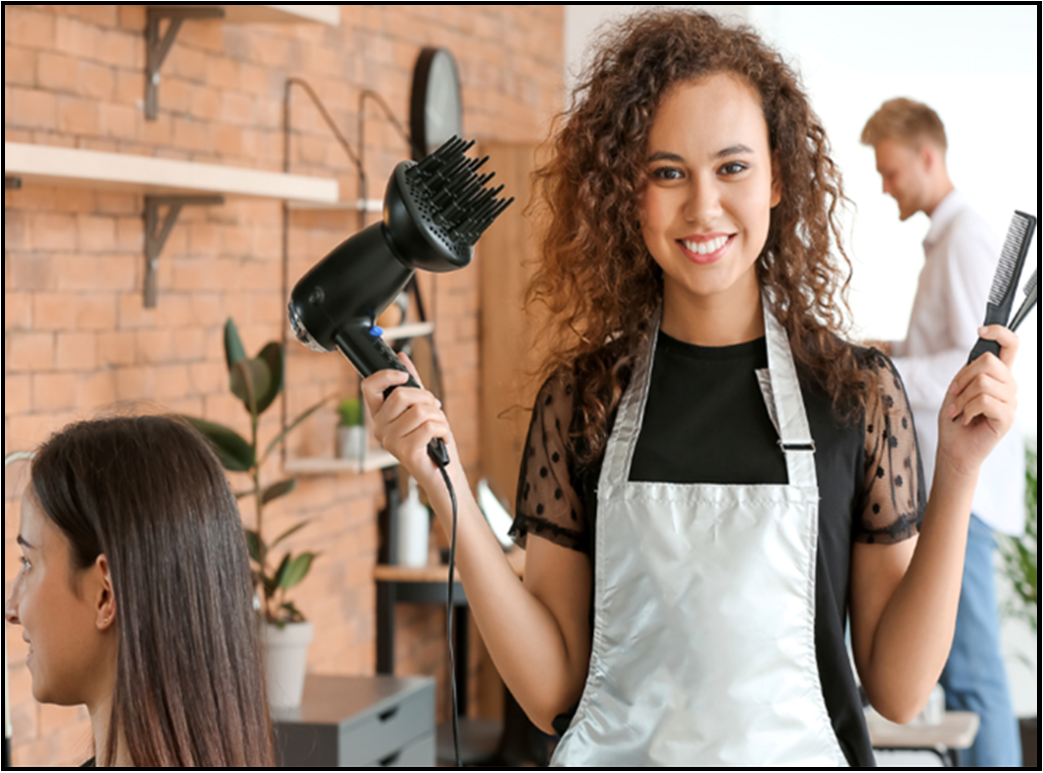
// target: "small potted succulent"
[[257, 382], [351, 430]]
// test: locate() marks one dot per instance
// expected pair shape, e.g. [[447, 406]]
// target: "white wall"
[[977, 66]]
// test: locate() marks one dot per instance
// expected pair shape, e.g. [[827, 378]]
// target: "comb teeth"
[[1012, 257], [1030, 286], [463, 207]]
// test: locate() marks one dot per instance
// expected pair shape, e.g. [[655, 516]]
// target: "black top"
[[869, 475]]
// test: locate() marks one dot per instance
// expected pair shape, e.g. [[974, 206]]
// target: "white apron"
[[704, 609]]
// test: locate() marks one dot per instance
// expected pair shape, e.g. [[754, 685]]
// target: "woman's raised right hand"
[[406, 421]]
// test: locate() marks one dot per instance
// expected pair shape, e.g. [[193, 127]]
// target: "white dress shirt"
[[962, 253]]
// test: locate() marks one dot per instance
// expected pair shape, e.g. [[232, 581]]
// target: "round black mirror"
[[435, 108]]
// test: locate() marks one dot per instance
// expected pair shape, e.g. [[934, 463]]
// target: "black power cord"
[[449, 617]]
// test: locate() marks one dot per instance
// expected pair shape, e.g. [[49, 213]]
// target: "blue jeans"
[[974, 678]]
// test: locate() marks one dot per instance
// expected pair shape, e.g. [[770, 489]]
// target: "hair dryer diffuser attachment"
[[436, 210]]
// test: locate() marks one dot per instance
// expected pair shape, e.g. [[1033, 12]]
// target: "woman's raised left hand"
[[979, 408]]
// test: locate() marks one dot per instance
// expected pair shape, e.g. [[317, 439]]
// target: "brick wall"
[[77, 340]]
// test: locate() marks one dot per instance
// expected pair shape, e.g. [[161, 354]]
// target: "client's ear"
[[105, 599]]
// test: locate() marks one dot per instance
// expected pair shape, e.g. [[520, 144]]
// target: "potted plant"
[[1020, 563], [351, 431], [257, 382]]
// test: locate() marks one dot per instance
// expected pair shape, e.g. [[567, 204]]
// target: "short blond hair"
[[906, 121]]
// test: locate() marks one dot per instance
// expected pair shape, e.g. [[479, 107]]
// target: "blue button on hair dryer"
[[434, 212]]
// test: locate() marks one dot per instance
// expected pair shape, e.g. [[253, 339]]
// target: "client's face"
[[57, 607]]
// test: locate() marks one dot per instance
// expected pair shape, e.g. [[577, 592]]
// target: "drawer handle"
[[389, 714], [390, 760]]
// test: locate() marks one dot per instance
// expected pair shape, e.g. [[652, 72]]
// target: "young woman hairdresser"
[[714, 480]]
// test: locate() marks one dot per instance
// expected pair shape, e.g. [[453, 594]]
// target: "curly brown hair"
[[596, 275]]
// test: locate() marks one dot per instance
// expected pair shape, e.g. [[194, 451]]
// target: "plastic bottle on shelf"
[[414, 526]]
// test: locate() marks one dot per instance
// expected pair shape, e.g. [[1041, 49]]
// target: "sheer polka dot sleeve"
[[894, 495], [548, 504]]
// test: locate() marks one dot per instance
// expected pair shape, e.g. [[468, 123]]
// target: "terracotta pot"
[[287, 662]]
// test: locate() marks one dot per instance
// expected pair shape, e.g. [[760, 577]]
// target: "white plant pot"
[[351, 442], [287, 651]]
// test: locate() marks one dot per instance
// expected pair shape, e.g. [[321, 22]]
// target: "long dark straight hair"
[[148, 493]]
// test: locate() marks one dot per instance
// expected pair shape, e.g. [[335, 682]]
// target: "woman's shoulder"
[[570, 376], [859, 380], [878, 369]]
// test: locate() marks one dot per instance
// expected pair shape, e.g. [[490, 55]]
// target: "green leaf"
[[250, 378], [253, 544], [293, 425], [276, 490], [234, 351], [296, 571], [272, 356], [278, 576], [234, 453], [286, 535]]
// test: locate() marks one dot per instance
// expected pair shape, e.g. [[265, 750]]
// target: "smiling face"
[[70, 653], [707, 206]]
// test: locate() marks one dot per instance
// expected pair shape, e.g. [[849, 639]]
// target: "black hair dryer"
[[434, 212]]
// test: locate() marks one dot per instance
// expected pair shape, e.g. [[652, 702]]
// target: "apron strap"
[[794, 431], [623, 440], [792, 421]]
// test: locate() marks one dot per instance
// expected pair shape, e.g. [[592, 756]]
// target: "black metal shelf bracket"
[[157, 229], [158, 46]]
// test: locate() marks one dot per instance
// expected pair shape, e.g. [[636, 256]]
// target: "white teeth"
[[706, 248]]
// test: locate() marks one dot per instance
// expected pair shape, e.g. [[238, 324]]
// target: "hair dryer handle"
[[368, 352]]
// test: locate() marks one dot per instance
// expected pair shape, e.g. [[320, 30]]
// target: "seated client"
[[135, 596]]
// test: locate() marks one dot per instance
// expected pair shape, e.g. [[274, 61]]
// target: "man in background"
[[961, 256]]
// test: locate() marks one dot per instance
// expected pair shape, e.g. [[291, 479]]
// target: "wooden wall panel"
[[509, 349]]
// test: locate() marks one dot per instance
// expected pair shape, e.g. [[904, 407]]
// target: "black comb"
[[1005, 283], [1030, 302]]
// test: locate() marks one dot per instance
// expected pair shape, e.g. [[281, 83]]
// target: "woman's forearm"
[[525, 640], [915, 631]]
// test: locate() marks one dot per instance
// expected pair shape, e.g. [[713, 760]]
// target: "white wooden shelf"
[[409, 330], [354, 205], [325, 465], [69, 166], [290, 13]]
